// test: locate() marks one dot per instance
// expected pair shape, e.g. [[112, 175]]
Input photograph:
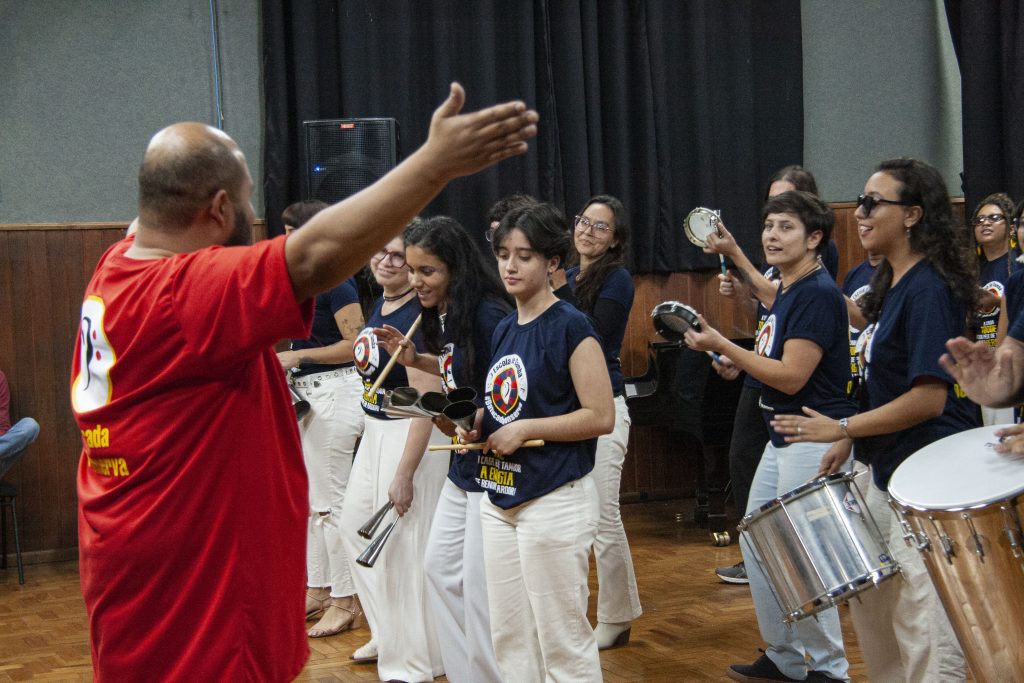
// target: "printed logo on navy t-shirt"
[[507, 388]]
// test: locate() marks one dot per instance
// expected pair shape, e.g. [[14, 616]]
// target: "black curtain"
[[988, 37], [668, 105]]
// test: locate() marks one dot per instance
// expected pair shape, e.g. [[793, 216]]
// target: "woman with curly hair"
[[995, 238], [463, 301], [920, 296]]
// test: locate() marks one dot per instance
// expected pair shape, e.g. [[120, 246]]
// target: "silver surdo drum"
[[819, 546]]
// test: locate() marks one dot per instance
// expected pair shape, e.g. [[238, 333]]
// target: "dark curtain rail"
[[666, 104]]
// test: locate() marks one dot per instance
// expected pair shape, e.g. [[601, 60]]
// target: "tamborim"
[[819, 546], [673, 319], [700, 223], [960, 503]]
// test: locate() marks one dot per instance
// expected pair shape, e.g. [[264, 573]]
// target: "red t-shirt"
[[191, 486]]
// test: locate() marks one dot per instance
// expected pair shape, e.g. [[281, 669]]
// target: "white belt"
[[317, 378]]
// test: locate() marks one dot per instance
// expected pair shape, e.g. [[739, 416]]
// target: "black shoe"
[[763, 670], [821, 677], [734, 574]]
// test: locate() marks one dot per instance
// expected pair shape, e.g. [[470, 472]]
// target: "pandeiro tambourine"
[[673, 319], [699, 225]]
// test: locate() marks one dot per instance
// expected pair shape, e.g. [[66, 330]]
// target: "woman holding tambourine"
[[546, 381], [391, 465], [603, 289], [463, 301], [802, 359], [920, 297]]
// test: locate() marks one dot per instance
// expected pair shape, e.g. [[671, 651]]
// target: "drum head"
[[672, 320], [958, 472], [699, 224]]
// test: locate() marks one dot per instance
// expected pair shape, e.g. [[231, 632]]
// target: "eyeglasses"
[[583, 224], [397, 257], [869, 202], [992, 218]]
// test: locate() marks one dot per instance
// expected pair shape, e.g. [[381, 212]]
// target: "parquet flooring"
[[692, 629]]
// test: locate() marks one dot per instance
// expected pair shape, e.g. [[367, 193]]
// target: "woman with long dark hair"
[[462, 301], [540, 514], [920, 296], [603, 289]]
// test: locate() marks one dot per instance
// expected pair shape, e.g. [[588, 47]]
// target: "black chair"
[[8, 495]]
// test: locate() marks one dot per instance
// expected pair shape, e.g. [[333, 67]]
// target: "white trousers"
[[329, 434], [904, 633], [457, 587], [618, 599], [537, 556], [817, 641], [393, 592], [996, 416]]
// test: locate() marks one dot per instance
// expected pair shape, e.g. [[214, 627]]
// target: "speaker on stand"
[[343, 156]]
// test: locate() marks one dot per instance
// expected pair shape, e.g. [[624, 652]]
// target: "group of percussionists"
[[207, 515]]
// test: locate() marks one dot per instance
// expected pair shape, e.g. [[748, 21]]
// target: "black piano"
[[682, 394]]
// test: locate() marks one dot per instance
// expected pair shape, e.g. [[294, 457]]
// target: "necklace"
[[814, 269], [397, 296]]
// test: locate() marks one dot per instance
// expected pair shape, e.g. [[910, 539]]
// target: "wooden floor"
[[692, 629]]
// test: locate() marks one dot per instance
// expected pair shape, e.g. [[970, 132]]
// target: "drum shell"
[[983, 595], [819, 546]]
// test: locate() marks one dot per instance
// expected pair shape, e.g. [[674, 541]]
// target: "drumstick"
[[721, 260], [477, 446], [391, 363]]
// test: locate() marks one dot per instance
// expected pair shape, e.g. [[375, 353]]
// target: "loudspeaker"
[[343, 156]]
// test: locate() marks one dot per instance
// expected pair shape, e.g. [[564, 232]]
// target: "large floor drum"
[[959, 502]]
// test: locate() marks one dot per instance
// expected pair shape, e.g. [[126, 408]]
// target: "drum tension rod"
[[944, 541], [1012, 529], [909, 535], [974, 534]]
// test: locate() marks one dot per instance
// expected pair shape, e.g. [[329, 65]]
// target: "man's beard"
[[241, 236]]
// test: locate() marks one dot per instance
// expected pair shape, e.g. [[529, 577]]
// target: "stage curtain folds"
[[668, 105]]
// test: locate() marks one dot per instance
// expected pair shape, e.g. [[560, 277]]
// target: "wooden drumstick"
[[391, 363], [477, 446]]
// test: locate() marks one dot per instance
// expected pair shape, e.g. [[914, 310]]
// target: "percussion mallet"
[[532, 443], [391, 363]]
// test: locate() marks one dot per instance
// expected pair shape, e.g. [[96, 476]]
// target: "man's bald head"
[[185, 165]]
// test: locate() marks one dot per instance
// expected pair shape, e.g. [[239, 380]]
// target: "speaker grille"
[[343, 156]]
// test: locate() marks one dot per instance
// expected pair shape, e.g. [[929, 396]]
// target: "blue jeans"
[[781, 470], [17, 439]]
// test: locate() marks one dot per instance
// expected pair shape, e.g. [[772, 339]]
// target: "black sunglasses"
[[868, 203]]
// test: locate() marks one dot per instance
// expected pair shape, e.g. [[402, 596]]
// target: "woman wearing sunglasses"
[[322, 372], [801, 358], [462, 301], [391, 465], [603, 289], [920, 297], [546, 381], [995, 238]]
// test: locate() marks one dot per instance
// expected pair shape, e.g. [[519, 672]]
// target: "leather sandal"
[[318, 610], [353, 620]]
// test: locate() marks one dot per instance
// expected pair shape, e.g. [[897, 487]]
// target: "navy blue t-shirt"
[[772, 273], [609, 317], [529, 378], [456, 372], [325, 328], [830, 259], [856, 285], [993, 277], [1014, 302], [918, 315], [371, 357], [812, 308]]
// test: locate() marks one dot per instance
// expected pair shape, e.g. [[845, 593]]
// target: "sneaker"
[[821, 677], [763, 670], [734, 574]]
